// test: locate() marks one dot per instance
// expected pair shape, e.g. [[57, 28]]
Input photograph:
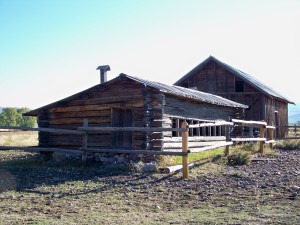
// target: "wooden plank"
[[144, 129], [96, 107], [210, 147], [270, 142], [126, 151], [50, 130], [175, 168], [191, 144], [84, 114], [105, 100], [270, 127], [195, 139], [92, 120], [249, 122], [247, 139], [211, 124]]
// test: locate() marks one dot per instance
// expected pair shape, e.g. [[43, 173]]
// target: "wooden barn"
[[127, 101], [215, 77]]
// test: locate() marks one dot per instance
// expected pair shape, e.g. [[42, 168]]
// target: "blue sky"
[[51, 49]]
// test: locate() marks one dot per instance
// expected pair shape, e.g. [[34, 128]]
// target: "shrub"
[[239, 158], [249, 146], [288, 145]]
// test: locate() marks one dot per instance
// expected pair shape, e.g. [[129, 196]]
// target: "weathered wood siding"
[[205, 111], [217, 80], [97, 105]]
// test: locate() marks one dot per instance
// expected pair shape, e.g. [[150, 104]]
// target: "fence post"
[[261, 135], [185, 141], [227, 134], [271, 136], [84, 143]]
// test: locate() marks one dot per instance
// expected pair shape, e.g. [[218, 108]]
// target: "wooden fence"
[[187, 146], [293, 132]]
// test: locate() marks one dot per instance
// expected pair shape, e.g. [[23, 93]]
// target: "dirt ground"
[[264, 192]]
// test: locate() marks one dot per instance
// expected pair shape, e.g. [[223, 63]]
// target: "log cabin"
[[218, 78], [128, 101]]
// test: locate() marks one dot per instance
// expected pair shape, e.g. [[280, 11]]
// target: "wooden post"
[[261, 135], [227, 133], [271, 136], [84, 143], [185, 141]]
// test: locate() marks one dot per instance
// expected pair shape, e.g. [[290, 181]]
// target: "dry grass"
[[20, 138]]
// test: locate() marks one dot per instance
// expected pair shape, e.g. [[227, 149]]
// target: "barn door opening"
[[122, 118]]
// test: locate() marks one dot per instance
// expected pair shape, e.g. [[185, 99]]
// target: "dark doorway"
[[122, 118]]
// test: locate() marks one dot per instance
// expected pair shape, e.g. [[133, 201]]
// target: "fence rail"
[[185, 145]]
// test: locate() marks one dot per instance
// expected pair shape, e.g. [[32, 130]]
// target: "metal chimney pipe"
[[103, 69]]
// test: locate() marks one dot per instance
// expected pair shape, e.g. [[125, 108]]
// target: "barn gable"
[[215, 77], [242, 75]]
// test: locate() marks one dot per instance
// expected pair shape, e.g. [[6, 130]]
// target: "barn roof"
[[244, 76], [172, 90]]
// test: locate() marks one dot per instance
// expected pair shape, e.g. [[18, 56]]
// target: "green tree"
[[26, 121], [8, 117], [14, 117]]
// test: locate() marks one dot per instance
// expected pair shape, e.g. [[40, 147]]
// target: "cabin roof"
[[244, 76], [188, 93], [172, 90]]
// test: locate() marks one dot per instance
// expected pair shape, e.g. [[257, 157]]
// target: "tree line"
[[13, 117]]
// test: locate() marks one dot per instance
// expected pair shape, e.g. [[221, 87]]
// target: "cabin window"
[[239, 86]]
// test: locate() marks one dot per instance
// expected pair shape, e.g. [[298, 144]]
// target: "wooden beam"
[[195, 139], [49, 130], [127, 151], [249, 122], [221, 123], [144, 129], [178, 145], [247, 139]]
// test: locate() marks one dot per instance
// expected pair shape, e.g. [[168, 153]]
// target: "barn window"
[[239, 86]]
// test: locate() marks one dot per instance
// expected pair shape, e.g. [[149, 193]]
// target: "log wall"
[[96, 105]]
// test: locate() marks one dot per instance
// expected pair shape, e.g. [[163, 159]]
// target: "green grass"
[[192, 157]]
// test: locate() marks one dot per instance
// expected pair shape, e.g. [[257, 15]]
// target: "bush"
[[288, 145], [238, 158], [250, 147]]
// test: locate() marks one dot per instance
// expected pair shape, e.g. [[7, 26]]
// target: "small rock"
[[296, 188], [149, 167]]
